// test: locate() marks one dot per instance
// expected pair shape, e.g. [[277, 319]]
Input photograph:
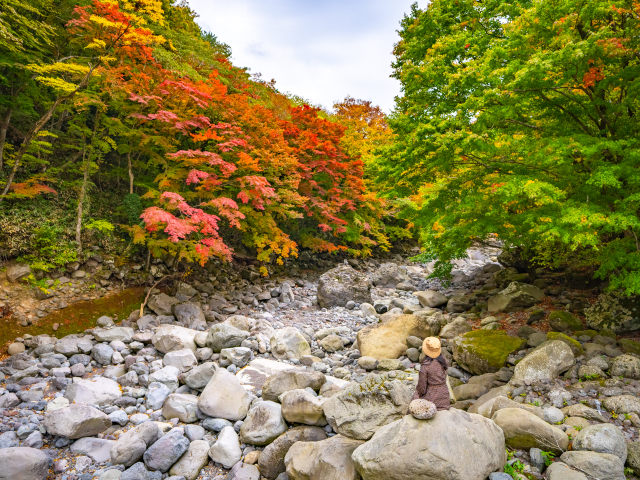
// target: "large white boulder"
[[453, 445], [546, 362], [328, 459], [76, 421], [183, 360], [603, 438], [23, 463], [524, 430], [360, 409], [168, 338], [224, 397], [288, 343], [97, 391]]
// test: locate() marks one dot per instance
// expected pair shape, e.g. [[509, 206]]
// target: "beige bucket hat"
[[431, 347]]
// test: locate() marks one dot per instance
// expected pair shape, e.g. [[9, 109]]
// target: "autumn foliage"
[[232, 158]]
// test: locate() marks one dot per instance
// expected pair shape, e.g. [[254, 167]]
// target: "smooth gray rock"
[[264, 423], [157, 393], [603, 438], [224, 335], [132, 444], [389, 275], [198, 377], [76, 421], [224, 397], [97, 448], [243, 471], [602, 466], [168, 338], [194, 460], [119, 417], [9, 439], [139, 472], [329, 459], [238, 356], [453, 445], [216, 424], [119, 334], [166, 451], [102, 353], [271, 461], [17, 271], [183, 359], [546, 362], [181, 406], [194, 432], [162, 304], [9, 400], [189, 315], [97, 391], [226, 451], [23, 463], [562, 471]]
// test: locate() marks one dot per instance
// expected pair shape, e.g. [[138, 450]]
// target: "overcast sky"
[[322, 50]]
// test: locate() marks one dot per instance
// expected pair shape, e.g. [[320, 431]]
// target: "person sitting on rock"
[[432, 382]]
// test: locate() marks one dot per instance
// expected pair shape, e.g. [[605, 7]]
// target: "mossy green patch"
[[563, 321], [605, 332], [629, 346], [575, 346], [485, 351], [76, 318], [590, 333]]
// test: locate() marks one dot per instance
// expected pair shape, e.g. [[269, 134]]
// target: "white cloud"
[[321, 50]]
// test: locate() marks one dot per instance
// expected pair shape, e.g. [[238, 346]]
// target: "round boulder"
[[76, 421], [603, 438], [23, 463], [341, 285], [485, 351], [453, 445], [264, 423]]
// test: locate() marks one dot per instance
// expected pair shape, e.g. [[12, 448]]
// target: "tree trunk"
[[83, 191], [85, 181], [3, 137], [42, 121], [130, 174]]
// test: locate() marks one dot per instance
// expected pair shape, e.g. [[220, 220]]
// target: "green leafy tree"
[[519, 120]]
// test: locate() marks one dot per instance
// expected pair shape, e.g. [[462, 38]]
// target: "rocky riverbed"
[[308, 374]]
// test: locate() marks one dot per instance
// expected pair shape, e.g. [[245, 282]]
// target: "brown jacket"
[[432, 384]]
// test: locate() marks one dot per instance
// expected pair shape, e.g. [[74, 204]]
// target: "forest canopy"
[[518, 121], [132, 108]]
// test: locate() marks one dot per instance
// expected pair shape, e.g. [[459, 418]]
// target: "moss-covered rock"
[[575, 346], [616, 313], [629, 346], [606, 332], [590, 333], [485, 351], [565, 322]]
